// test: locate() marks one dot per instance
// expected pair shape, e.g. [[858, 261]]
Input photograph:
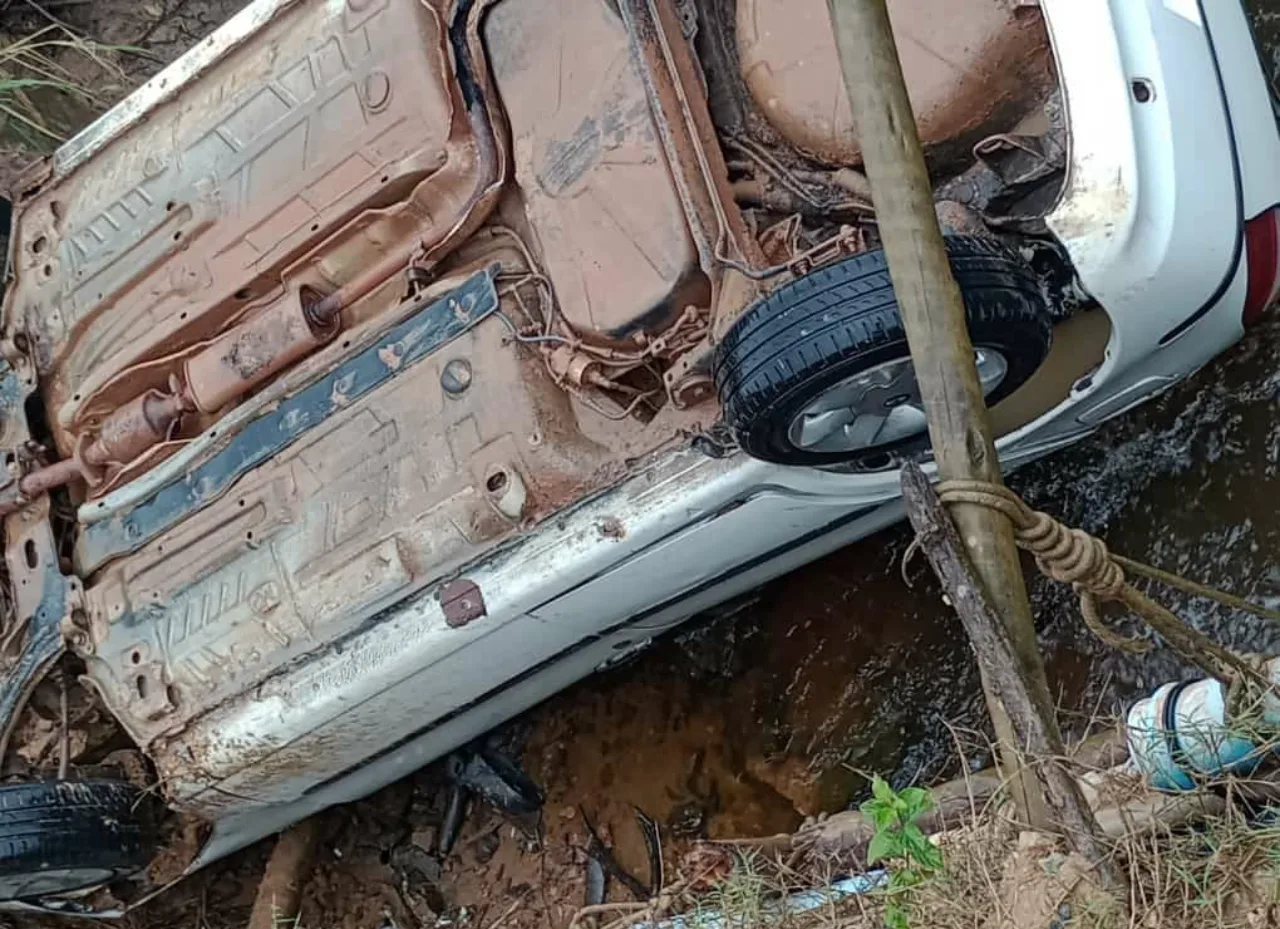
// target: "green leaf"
[[905, 878], [881, 790], [884, 845], [895, 917], [885, 818], [916, 801], [921, 850], [913, 836]]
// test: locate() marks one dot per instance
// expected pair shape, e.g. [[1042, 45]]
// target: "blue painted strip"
[[12, 392], [265, 437]]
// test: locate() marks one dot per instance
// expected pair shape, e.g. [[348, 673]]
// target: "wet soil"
[[839, 670], [747, 724]]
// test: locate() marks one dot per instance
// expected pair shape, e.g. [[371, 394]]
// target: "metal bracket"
[[848, 241], [462, 602]]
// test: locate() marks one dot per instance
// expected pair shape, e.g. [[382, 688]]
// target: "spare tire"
[[59, 836], [819, 373]]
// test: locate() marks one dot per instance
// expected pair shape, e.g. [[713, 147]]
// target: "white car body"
[[1173, 149], [1157, 196]]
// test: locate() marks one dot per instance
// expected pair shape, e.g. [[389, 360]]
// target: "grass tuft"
[[51, 82]]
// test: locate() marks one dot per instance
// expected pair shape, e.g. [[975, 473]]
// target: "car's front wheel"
[[819, 373]]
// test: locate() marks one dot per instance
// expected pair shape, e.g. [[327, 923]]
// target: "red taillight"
[[1262, 252]]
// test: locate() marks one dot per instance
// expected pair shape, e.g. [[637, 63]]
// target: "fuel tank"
[[593, 177], [970, 66]]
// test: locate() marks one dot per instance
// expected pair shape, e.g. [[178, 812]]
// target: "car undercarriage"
[[356, 294]]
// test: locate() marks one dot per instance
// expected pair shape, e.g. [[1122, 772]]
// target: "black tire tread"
[[842, 311], [54, 825]]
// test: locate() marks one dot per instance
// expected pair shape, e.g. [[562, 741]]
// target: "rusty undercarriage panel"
[[964, 63], [596, 186], [360, 511], [294, 445], [366, 299], [274, 171]]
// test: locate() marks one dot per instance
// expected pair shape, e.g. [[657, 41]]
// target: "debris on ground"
[[1202, 861]]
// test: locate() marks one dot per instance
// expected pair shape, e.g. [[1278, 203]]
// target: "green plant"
[[901, 842]]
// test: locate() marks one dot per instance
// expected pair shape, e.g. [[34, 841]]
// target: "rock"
[[425, 838], [792, 778], [487, 846], [415, 865], [705, 866]]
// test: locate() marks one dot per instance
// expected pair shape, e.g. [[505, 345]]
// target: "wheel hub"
[[877, 407]]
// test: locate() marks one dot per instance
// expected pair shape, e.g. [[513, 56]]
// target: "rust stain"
[[964, 64], [178, 243], [611, 528]]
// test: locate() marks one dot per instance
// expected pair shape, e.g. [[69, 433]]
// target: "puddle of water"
[[839, 670]]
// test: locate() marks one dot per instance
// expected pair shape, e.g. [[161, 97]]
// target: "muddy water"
[[839, 669], [753, 721]]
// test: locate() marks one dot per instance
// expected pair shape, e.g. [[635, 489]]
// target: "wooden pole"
[[279, 897], [933, 315], [1067, 808]]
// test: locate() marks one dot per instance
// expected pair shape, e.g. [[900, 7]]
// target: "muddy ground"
[[747, 724]]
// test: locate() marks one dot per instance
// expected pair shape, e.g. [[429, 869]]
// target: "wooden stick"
[[280, 893], [934, 318], [939, 540]]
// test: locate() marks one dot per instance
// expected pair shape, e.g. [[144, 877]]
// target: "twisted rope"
[[1073, 556]]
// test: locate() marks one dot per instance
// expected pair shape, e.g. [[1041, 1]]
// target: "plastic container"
[[1180, 735]]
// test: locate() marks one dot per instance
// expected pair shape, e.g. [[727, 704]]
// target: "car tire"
[[815, 333], [60, 836]]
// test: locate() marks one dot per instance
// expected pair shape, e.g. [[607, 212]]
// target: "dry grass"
[[51, 81], [1222, 872], [968, 886], [1226, 873]]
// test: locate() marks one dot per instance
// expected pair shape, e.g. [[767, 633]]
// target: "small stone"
[[1052, 864], [567, 813], [487, 846]]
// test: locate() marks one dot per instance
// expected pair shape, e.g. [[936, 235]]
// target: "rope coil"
[[1073, 556]]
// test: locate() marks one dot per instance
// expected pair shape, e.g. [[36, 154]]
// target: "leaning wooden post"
[[938, 538], [933, 315]]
